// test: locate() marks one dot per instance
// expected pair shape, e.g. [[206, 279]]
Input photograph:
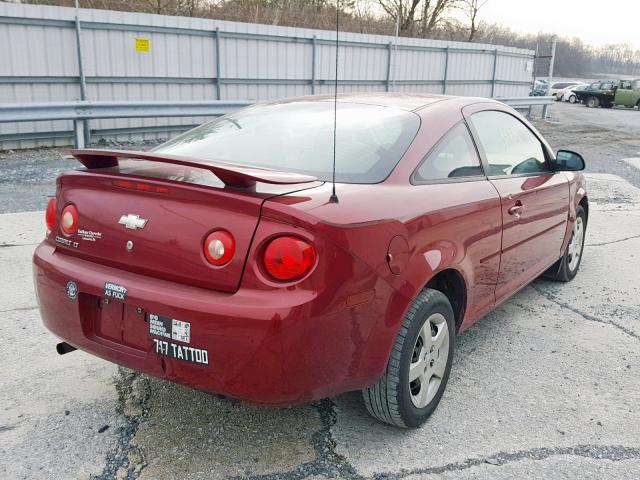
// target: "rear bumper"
[[264, 346]]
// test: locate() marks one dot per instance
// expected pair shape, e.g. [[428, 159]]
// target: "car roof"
[[404, 101]]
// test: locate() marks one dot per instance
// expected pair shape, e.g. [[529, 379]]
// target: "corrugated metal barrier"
[[48, 55]]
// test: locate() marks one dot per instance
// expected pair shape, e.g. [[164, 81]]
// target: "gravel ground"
[[544, 387], [604, 137]]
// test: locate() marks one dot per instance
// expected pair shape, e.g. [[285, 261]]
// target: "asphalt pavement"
[[544, 387]]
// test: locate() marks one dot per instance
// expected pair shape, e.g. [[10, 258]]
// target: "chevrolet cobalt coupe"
[[221, 259]]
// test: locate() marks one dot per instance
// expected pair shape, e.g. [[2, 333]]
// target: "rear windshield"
[[298, 137]]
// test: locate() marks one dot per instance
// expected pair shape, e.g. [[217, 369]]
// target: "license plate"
[[181, 352], [161, 326]]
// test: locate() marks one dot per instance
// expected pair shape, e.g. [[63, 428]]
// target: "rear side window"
[[453, 157], [298, 137], [509, 146]]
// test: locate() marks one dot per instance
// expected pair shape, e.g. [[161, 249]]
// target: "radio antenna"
[[334, 197]]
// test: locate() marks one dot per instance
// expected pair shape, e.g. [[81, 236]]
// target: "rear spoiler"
[[230, 175]]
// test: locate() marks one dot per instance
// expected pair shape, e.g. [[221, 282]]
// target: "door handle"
[[516, 210]]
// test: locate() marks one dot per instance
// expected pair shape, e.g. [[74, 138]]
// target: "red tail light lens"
[[289, 258], [219, 247], [50, 215], [141, 186], [69, 220]]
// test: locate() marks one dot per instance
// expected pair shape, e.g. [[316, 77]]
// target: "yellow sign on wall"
[[143, 44]]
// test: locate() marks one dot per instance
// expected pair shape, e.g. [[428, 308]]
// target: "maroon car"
[[220, 261]]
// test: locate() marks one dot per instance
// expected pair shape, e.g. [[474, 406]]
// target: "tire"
[[394, 399], [572, 99], [591, 102], [565, 269], [638, 105]]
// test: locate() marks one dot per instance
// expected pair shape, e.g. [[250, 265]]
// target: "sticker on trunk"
[[113, 290], [181, 352], [89, 235], [167, 327]]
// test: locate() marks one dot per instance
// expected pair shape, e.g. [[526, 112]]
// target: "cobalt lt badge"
[[72, 290]]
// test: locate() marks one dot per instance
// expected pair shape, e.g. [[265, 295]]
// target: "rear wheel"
[[567, 267], [591, 102], [419, 365], [572, 99]]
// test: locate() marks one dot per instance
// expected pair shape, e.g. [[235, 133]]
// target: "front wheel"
[[419, 365], [567, 267]]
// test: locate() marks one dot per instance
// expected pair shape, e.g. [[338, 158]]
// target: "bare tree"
[[403, 12], [472, 7], [433, 12]]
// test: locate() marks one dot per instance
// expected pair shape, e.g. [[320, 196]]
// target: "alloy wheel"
[[429, 360], [575, 245]]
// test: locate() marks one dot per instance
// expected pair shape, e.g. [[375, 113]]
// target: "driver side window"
[[509, 146]]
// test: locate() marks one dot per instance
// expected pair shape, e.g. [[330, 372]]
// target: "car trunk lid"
[[152, 217]]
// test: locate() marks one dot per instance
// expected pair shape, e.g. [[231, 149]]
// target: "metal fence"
[[50, 55]]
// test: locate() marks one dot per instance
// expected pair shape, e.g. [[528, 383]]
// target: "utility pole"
[[81, 127], [395, 50], [535, 60], [554, 40]]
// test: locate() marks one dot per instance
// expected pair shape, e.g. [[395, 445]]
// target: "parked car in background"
[[610, 93], [223, 259], [628, 94], [570, 96], [556, 88], [539, 91], [597, 94]]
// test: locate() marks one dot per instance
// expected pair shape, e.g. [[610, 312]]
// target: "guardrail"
[[81, 112], [526, 103]]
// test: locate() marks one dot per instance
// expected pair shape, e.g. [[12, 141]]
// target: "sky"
[[596, 22]]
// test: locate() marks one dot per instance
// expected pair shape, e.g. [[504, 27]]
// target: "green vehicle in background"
[[628, 94], [610, 93]]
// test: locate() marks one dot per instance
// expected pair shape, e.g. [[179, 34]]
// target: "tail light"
[[289, 258], [50, 215], [141, 186], [69, 220], [219, 247]]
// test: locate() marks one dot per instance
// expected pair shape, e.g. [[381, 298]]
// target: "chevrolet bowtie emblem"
[[132, 222]]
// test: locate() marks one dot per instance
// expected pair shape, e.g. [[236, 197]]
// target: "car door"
[[624, 94], [534, 200], [628, 93], [461, 220]]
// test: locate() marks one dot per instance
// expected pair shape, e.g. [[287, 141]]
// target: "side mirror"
[[568, 161]]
